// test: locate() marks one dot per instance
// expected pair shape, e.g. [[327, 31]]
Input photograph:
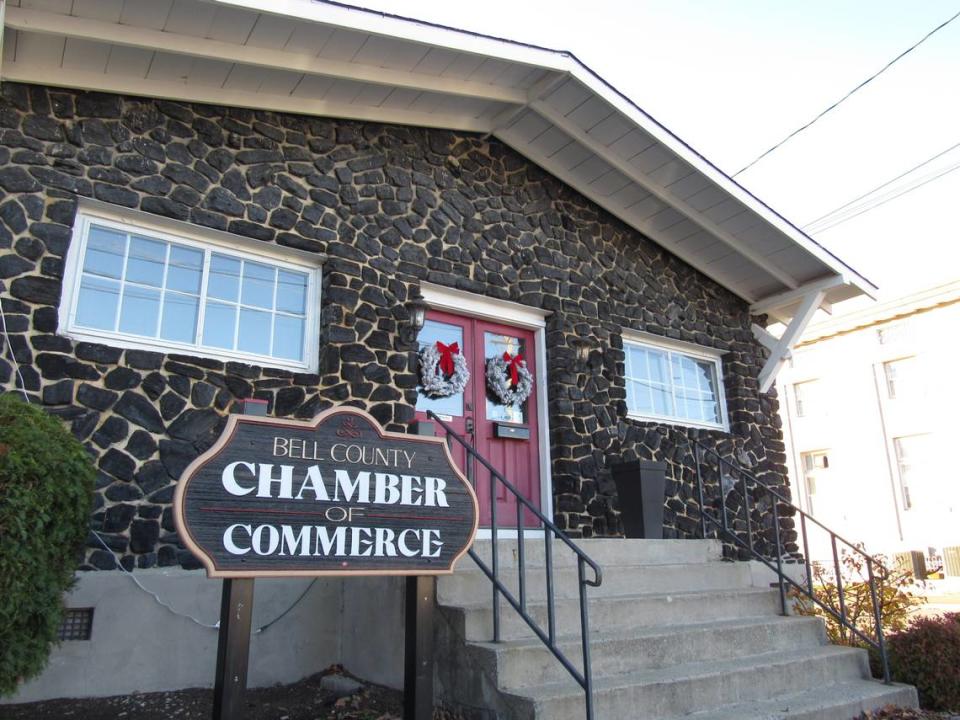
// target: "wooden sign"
[[335, 496]]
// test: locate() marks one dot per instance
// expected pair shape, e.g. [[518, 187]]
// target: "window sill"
[[166, 347], [678, 422]]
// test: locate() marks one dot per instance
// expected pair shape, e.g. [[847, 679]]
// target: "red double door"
[[507, 436]]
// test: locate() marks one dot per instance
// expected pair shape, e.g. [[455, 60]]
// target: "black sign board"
[[335, 496]]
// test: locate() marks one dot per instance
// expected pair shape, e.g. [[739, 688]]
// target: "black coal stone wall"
[[392, 207]]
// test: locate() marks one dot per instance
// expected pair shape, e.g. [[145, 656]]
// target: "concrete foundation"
[[137, 645]]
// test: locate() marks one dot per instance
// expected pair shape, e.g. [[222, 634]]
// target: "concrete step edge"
[[841, 701], [641, 633], [707, 595], [686, 672]]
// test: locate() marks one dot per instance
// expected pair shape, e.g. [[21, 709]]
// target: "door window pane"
[[495, 345], [446, 333]]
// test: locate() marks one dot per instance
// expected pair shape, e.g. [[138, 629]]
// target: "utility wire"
[[867, 207], [845, 97], [903, 192], [837, 210]]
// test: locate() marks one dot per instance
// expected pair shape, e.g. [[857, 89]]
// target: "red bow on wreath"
[[514, 364], [446, 357]]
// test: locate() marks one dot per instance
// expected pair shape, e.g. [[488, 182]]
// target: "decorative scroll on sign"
[[335, 496]]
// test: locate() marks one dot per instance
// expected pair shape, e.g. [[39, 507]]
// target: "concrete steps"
[[675, 632]]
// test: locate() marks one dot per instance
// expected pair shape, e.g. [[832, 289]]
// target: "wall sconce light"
[[582, 348], [417, 308]]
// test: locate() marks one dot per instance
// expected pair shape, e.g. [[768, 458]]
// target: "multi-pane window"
[[157, 291], [805, 394], [667, 383], [912, 452], [901, 378]]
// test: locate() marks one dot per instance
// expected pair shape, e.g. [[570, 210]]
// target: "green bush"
[[46, 488], [927, 655]]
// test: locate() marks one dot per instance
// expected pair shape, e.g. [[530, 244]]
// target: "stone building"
[[207, 203]]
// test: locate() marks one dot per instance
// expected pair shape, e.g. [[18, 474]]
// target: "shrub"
[[927, 655], [46, 487], [894, 596]]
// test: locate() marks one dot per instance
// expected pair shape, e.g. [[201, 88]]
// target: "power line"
[[845, 97], [837, 210], [890, 198]]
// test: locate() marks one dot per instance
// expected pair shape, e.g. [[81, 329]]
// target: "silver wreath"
[[432, 379], [498, 381]]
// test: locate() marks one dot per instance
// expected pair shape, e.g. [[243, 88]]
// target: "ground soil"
[[305, 700]]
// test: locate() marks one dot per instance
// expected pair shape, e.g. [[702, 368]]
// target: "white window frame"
[[188, 235], [677, 347]]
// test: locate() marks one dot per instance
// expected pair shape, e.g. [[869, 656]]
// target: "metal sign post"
[[421, 598], [233, 640]]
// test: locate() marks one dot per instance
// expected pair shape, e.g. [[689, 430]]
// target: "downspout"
[[886, 450]]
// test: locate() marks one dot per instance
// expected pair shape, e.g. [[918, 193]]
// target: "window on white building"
[[675, 382], [901, 378], [912, 454], [135, 286], [814, 465], [807, 397]]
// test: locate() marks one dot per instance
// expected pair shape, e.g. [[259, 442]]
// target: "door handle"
[[469, 427]]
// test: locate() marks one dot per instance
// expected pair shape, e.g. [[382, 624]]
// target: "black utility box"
[[641, 486]]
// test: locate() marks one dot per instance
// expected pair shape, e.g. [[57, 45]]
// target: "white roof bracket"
[[781, 348]]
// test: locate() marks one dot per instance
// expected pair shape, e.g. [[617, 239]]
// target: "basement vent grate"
[[77, 624]]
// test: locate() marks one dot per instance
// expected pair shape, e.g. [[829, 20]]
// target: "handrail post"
[[551, 618], [496, 559], [878, 622], [521, 559], [698, 460], [806, 552], [839, 577], [776, 531], [746, 509], [585, 638]]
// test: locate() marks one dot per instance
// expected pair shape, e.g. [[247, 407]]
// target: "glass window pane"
[[495, 345], [224, 280], [179, 318], [218, 325], [105, 249], [145, 262], [657, 362], [288, 337], [662, 402], [185, 270], [258, 283], [140, 311], [292, 292], [254, 335], [97, 304], [446, 333]]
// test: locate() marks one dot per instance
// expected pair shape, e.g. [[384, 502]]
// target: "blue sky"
[[733, 77]]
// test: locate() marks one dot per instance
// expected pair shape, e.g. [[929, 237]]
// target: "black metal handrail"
[[877, 643], [548, 637]]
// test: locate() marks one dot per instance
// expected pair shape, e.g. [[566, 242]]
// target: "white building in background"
[[870, 404]]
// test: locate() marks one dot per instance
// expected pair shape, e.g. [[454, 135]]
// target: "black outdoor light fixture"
[[582, 347], [417, 307]]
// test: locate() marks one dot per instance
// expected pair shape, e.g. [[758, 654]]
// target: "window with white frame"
[[676, 382], [136, 286], [807, 397]]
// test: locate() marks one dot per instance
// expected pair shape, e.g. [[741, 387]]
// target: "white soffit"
[[325, 58]]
